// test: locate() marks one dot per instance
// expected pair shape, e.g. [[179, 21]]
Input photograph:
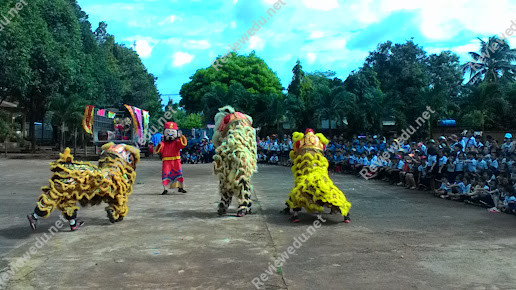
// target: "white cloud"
[[143, 48], [437, 23], [143, 45], [182, 58], [233, 24], [311, 57], [256, 43], [196, 44], [438, 19], [464, 49], [316, 34], [325, 5], [336, 43], [169, 20]]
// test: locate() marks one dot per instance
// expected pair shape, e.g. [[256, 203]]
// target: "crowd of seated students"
[[198, 151], [470, 169], [274, 151]]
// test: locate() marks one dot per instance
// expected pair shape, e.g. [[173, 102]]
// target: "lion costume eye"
[[130, 158]]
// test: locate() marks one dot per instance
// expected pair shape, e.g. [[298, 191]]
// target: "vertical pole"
[[85, 145], [75, 141]]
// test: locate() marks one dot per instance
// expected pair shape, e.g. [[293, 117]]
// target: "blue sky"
[[175, 38]]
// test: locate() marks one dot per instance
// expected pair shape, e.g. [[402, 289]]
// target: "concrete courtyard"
[[398, 239]]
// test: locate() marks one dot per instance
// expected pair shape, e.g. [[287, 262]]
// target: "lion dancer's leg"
[[44, 207], [295, 215], [244, 199], [116, 211], [336, 210], [72, 219], [225, 201], [295, 209], [69, 210]]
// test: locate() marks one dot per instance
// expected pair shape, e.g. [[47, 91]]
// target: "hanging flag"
[[111, 115], [87, 119]]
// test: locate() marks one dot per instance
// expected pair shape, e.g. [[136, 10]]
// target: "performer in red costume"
[[170, 148]]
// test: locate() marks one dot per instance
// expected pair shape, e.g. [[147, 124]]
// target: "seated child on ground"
[[444, 190]]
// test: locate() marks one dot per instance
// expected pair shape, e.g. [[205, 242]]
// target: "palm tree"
[[365, 102], [67, 111], [274, 116], [494, 62], [331, 101]]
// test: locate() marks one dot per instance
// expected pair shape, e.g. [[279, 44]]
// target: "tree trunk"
[[74, 140], [24, 130], [430, 128], [61, 142], [32, 133]]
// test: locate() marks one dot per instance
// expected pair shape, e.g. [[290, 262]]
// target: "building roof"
[[8, 105]]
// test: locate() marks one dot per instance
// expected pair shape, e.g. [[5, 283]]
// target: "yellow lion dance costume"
[[313, 187], [235, 158], [75, 181]]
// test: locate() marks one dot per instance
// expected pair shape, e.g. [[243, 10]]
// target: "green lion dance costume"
[[235, 158], [75, 181], [313, 188]]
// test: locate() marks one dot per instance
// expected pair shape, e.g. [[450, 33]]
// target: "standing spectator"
[[450, 169], [211, 151], [508, 146]]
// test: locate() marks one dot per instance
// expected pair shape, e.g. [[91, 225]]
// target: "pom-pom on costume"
[[235, 158], [313, 187], [170, 150], [75, 181]]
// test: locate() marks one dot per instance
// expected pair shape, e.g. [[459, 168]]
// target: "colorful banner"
[[138, 114], [87, 119], [135, 122], [146, 121], [101, 112], [111, 115]]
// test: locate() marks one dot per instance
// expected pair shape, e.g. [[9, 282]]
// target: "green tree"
[[364, 101], [191, 121], [445, 86], [494, 62], [402, 72], [51, 59], [250, 72], [297, 79]]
